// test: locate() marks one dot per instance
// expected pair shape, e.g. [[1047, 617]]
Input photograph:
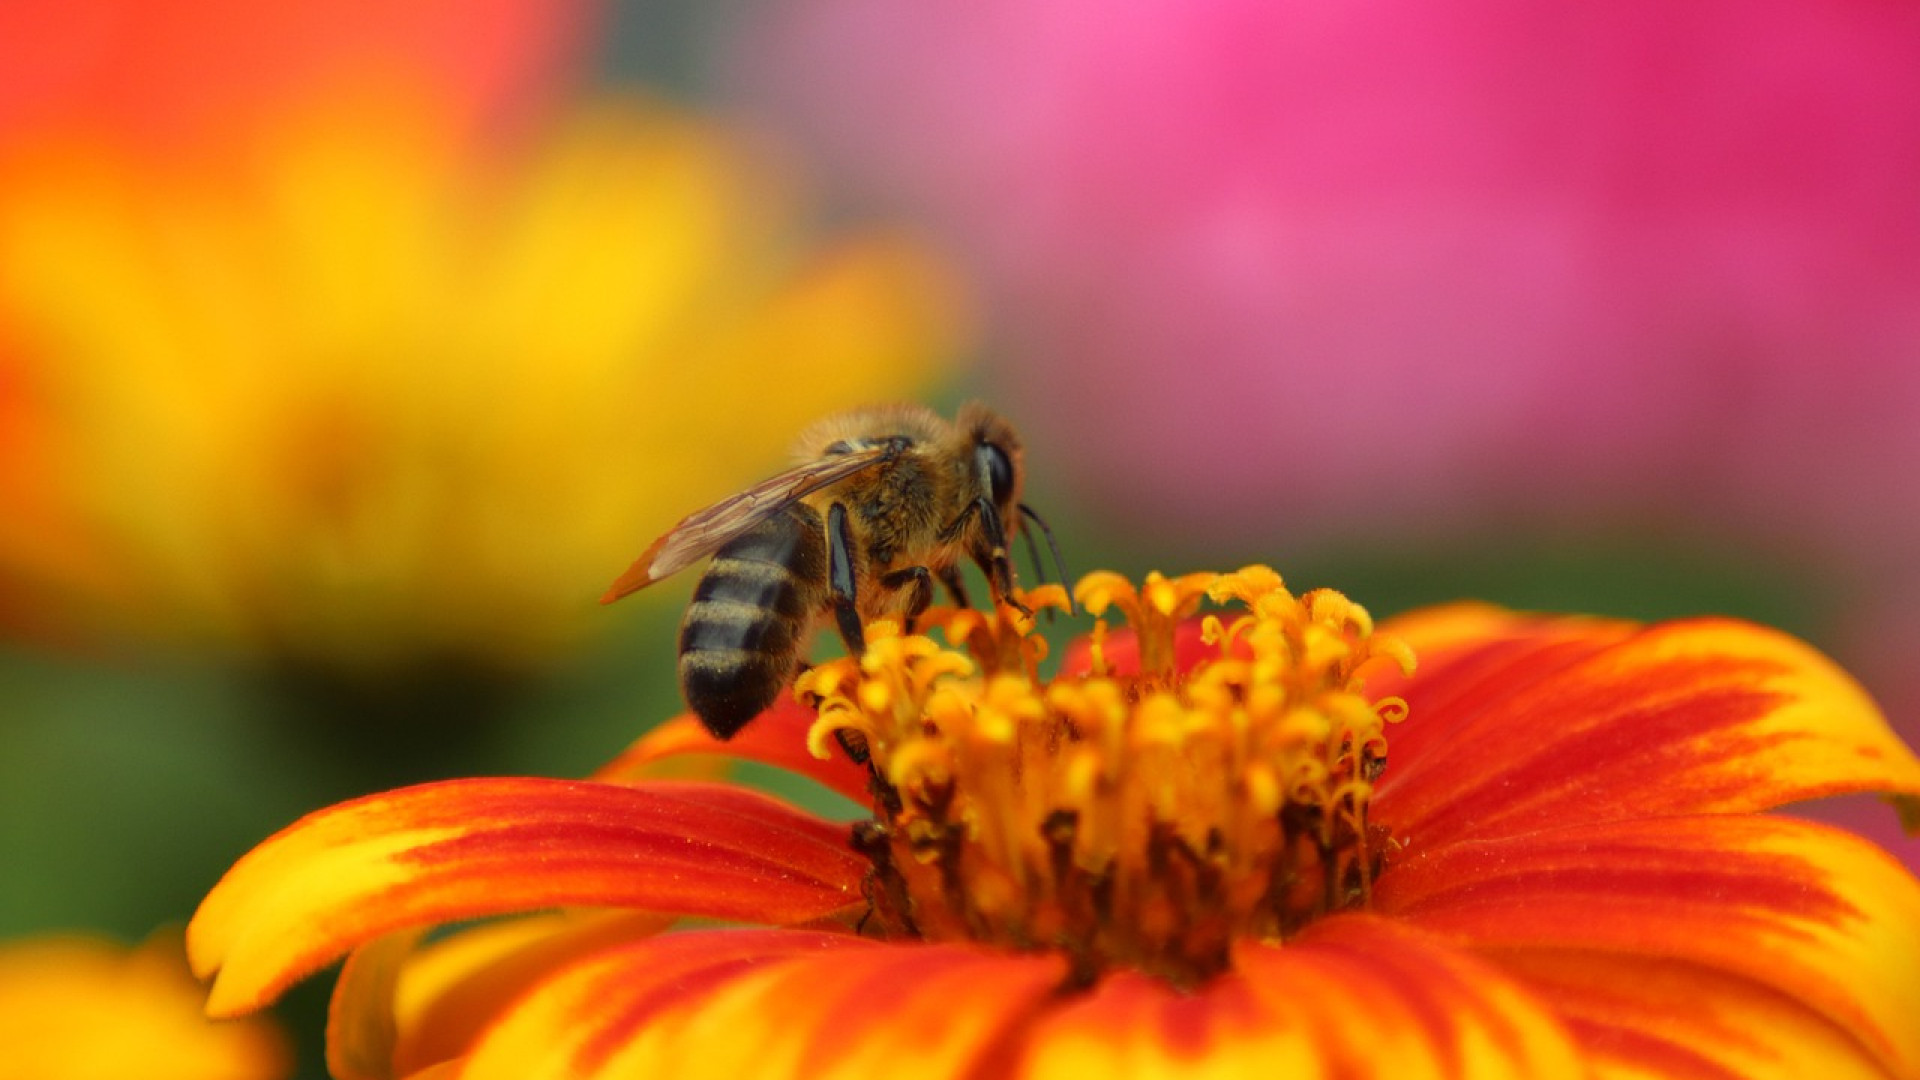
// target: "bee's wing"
[[704, 532]]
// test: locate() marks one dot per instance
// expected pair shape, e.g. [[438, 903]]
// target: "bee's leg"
[[957, 589], [988, 549], [920, 581], [991, 554], [846, 613], [951, 529]]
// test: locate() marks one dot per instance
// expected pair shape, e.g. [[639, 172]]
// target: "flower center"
[[1132, 814]]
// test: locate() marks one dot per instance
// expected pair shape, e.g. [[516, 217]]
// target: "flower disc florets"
[[1132, 815]]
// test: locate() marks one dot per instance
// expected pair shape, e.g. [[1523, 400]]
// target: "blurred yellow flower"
[[80, 1008], [358, 391]]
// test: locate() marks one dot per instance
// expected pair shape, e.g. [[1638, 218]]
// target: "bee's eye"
[[999, 472]]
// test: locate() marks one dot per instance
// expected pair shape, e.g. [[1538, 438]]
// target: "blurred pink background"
[[1314, 268]]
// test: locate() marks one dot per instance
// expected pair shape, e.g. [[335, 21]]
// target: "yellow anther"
[[992, 725], [1215, 695], [1323, 647], [1051, 595], [826, 680], [1028, 813], [958, 624], [918, 765], [1391, 710], [875, 697], [1248, 585], [1161, 595], [1159, 720], [1081, 778], [820, 736], [1338, 613], [1394, 649], [1305, 725], [1099, 590], [1265, 699], [1262, 789], [948, 708]]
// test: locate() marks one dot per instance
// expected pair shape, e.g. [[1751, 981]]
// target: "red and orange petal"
[[1354, 996], [399, 1008], [776, 737], [80, 1008], [1640, 1016], [1824, 920], [786, 1003], [1551, 722], [469, 848]]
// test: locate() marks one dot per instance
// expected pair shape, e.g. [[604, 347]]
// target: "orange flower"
[[1254, 841], [79, 1008]]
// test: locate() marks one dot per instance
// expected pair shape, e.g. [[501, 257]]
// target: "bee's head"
[[998, 459], [999, 467]]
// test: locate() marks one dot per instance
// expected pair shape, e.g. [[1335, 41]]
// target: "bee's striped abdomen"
[[741, 639]]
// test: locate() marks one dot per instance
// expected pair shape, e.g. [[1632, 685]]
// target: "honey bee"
[[883, 501]]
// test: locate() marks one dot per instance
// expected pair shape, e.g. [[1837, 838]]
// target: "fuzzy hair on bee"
[[881, 503]]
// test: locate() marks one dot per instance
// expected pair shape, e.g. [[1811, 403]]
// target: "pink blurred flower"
[[1417, 260]]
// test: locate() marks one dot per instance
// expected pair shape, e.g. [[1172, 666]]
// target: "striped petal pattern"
[[1815, 915], [465, 849], [398, 1008], [1638, 1016], [1551, 722], [1355, 997], [771, 1004]]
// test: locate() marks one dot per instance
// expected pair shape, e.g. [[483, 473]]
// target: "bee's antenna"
[[1052, 546], [1033, 556]]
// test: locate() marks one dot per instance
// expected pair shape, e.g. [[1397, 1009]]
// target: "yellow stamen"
[[1141, 821], [1153, 610]]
